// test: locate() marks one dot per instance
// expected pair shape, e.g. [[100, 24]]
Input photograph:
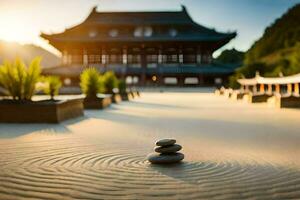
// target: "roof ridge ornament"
[[183, 8], [94, 9], [257, 74]]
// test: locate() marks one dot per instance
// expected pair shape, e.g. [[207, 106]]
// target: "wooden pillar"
[[180, 56], [290, 88], [160, 78], [124, 56], [277, 88], [85, 58], [296, 89], [198, 56], [65, 57], [159, 59], [143, 66], [201, 80], [69, 59], [180, 81], [270, 89], [254, 90], [246, 88], [103, 57], [125, 62], [262, 88]]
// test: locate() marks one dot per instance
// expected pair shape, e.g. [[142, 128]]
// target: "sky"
[[23, 20]]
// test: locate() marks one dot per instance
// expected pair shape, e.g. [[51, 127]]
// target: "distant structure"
[[145, 48]]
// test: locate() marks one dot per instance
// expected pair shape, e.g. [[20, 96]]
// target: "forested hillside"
[[277, 51]]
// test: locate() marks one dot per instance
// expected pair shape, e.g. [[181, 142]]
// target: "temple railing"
[[286, 85]]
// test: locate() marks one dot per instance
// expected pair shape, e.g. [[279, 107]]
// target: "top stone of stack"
[[165, 142]]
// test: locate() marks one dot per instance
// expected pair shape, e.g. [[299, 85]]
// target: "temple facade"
[[145, 48]]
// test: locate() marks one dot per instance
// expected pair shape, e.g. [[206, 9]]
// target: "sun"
[[13, 29], [17, 27]]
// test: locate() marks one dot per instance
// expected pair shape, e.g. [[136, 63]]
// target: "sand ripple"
[[123, 174]]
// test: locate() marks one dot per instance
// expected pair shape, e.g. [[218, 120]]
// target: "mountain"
[[11, 50], [277, 51], [231, 56]]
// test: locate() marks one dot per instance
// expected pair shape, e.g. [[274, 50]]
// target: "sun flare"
[[13, 28]]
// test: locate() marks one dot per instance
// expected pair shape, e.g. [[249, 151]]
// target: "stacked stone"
[[166, 152]]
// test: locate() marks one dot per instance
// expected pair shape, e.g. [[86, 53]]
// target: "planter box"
[[220, 91], [228, 93], [278, 101], [100, 102], [256, 98], [126, 96], [237, 95], [116, 98], [136, 94], [45, 111], [217, 92]]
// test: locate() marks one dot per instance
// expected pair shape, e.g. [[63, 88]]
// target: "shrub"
[[19, 80], [52, 86], [233, 81], [110, 82], [122, 86], [91, 82]]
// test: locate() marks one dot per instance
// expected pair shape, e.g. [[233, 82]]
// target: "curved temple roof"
[[267, 80], [101, 20], [138, 18]]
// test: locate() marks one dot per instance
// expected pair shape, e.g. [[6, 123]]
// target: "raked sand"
[[233, 151]]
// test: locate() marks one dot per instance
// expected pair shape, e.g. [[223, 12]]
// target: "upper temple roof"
[[97, 26], [139, 18]]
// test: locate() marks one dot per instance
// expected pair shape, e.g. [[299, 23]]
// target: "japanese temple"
[[145, 48]]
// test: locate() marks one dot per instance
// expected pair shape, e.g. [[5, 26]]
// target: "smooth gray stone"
[[165, 142], [156, 158], [168, 149]]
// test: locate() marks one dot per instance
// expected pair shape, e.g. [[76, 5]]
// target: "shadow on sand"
[[13, 130], [232, 175], [155, 105]]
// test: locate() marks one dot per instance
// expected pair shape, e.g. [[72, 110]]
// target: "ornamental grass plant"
[[52, 84], [19, 80], [91, 82]]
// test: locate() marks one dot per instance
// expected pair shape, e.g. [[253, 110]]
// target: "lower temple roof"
[[75, 70]]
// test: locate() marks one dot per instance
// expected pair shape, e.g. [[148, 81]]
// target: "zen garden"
[[22, 82], [120, 102]]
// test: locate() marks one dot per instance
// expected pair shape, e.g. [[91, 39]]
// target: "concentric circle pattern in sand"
[[233, 151], [62, 173]]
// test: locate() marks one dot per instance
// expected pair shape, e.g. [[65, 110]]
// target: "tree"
[[277, 51], [231, 57]]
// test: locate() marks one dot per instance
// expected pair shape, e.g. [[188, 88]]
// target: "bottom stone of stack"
[[156, 158]]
